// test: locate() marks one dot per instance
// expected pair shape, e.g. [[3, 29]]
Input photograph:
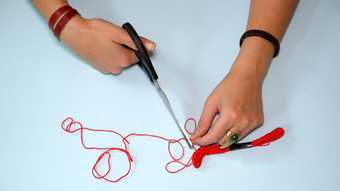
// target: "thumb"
[[124, 39], [149, 45]]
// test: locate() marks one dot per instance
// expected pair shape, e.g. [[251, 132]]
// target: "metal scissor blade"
[[171, 111]]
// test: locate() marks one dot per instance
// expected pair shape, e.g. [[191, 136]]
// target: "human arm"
[[97, 41], [237, 100]]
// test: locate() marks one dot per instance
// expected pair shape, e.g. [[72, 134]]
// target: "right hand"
[[100, 43]]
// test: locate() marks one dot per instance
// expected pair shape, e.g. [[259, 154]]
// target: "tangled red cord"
[[71, 126]]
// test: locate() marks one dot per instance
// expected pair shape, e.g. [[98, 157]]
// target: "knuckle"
[[202, 124], [245, 122], [209, 102], [233, 115], [208, 108]]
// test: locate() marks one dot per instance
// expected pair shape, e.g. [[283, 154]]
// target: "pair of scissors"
[[146, 64]]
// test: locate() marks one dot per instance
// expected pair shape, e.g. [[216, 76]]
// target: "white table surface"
[[41, 82]]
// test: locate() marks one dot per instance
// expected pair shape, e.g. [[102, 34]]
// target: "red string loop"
[[98, 175], [186, 125]]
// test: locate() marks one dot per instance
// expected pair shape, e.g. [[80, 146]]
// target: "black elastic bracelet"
[[265, 35]]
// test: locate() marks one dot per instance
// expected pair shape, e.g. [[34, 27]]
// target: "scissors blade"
[[171, 111]]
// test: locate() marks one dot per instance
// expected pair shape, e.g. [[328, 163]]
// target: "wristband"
[[63, 21], [265, 35], [57, 14]]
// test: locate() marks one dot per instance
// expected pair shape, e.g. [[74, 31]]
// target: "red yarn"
[[199, 154], [268, 138], [265, 140], [69, 125]]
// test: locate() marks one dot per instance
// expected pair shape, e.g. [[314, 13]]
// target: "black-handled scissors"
[[146, 64], [141, 53]]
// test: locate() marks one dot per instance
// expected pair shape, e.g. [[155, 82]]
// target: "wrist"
[[254, 58], [73, 29], [258, 48]]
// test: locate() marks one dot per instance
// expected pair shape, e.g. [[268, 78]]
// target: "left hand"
[[236, 103]]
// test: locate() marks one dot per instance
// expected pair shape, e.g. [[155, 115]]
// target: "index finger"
[[223, 124], [207, 117]]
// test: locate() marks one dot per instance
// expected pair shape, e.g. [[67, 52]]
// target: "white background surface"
[[41, 82]]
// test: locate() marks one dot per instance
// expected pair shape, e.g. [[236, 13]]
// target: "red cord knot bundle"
[[69, 125], [265, 140]]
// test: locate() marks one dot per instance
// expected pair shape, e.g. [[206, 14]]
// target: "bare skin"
[[237, 99], [97, 41]]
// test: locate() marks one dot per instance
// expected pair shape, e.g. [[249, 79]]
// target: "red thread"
[[265, 140], [268, 138], [69, 125], [199, 154]]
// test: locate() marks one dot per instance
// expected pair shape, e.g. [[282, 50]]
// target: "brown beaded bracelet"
[[265, 35]]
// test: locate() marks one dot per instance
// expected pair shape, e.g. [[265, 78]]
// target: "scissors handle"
[[141, 53]]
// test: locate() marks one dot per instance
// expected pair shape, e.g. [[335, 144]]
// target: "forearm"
[[272, 16], [47, 7]]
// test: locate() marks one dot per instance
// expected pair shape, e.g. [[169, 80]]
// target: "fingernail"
[[233, 138], [151, 45]]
